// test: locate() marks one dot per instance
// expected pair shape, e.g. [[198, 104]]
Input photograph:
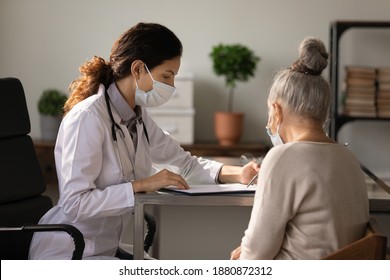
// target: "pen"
[[253, 179]]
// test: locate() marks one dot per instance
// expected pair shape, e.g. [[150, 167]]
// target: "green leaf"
[[51, 102], [235, 62]]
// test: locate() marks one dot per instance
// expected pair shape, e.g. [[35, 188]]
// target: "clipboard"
[[213, 189]]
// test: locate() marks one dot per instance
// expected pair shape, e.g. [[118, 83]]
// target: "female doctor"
[[108, 147]]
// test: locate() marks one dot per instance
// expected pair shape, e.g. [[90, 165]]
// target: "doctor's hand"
[[159, 180]]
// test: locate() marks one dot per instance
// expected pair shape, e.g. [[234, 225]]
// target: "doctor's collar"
[[124, 110]]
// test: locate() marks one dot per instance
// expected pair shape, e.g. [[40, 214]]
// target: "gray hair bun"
[[313, 57]]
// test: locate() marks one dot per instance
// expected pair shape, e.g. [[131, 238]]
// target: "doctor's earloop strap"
[[113, 123]]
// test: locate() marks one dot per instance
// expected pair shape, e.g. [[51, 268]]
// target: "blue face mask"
[[275, 138]]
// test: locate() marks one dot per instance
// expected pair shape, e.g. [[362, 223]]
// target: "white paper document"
[[213, 189]]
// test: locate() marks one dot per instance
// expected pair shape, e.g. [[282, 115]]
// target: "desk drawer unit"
[[179, 123]]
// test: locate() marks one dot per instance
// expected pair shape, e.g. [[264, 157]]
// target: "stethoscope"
[[115, 125]]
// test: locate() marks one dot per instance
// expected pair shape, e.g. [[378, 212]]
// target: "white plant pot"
[[49, 127]]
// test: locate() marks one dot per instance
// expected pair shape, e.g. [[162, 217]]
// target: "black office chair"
[[22, 184], [21, 181]]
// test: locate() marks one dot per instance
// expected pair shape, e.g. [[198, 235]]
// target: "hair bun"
[[313, 57]]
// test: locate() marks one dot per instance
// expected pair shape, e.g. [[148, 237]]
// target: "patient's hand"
[[236, 253], [248, 171]]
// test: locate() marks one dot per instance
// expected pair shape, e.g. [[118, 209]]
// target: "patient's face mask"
[[275, 138], [159, 95]]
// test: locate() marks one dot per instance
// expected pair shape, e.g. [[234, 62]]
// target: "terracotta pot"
[[228, 127]]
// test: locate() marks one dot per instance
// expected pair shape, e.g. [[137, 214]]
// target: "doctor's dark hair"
[[301, 89], [150, 42]]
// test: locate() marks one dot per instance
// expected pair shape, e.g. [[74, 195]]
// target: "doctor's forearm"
[[230, 174]]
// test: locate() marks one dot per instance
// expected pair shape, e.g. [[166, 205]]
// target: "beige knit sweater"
[[311, 199]]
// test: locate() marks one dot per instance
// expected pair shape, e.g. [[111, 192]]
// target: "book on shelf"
[[383, 86], [368, 91], [355, 71], [384, 111], [360, 82], [383, 102], [383, 75], [360, 105], [359, 96], [367, 103], [383, 105], [360, 72], [384, 69], [359, 91], [383, 78], [383, 82], [384, 115], [383, 94], [360, 111], [359, 101]]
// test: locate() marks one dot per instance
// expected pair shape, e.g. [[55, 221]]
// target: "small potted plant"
[[236, 63], [50, 106]]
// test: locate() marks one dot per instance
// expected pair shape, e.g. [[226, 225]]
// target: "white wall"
[[43, 42]]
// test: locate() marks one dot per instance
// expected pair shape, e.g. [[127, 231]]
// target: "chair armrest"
[[77, 236], [151, 230]]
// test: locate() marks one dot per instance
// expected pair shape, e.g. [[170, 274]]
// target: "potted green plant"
[[237, 63], [50, 106]]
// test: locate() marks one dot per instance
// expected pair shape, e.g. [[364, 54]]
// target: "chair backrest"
[[372, 246], [22, 182]]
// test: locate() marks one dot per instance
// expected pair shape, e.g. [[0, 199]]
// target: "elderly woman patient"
[[311, 196]]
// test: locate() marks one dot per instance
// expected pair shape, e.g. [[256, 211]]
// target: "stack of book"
[[383, 93], [360, 89]]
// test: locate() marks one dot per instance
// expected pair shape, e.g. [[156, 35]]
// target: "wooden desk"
[[215, 150]]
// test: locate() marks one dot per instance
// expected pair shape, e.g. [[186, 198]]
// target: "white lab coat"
[[95, 174]]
